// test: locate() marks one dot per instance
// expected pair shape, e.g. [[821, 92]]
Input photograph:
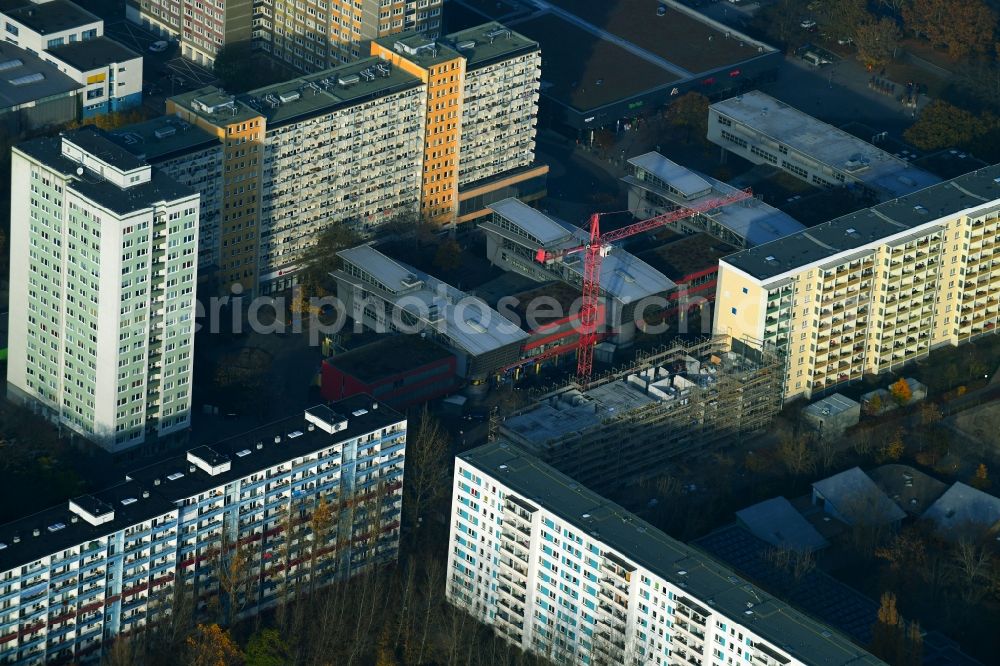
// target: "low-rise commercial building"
[[657, 185], [109, 73], [33, 92], [872, 290], [764, 130], [388, 296], [59, 31], [558, 570], [631, 288], [111, 562], [401, 372]]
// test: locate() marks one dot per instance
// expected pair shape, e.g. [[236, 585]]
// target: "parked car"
[[808, 24], [844, 41], [661, 10], [159, 46]]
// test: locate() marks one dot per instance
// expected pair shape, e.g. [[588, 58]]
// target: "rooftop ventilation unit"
[[290, 96], [411, 280], [348, 80], [466, 45], [164, 132]]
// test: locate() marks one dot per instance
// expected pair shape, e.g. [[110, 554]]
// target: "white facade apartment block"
[[499, 112], [559, 571], [103, 263], [75, 576], [37, 26]]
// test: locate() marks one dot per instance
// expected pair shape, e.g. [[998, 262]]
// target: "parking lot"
[[164, 74]]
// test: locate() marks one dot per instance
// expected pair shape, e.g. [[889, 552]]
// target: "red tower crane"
[[597, 248]]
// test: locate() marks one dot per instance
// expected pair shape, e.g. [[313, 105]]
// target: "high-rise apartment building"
[[558, 570], [309, 35], [111, 562], [103, 267], [482, 105], [192, 157], [872, 290], [315, 34], [201, 27], [385, 134]]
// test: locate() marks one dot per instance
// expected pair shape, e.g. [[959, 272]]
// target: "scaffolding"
[[681, 401]]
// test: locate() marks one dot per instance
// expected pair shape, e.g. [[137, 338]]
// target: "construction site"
[[686, 399]]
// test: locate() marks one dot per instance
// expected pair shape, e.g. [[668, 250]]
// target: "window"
[[12, 29], [745, 290], [54, 43], [95, 93], [733, 310]]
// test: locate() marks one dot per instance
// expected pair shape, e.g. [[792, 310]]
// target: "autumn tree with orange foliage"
[[963, 28], [211, 645], [901, 392]]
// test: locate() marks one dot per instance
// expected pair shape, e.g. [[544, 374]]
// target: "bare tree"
[[972, 562], [426, 467]]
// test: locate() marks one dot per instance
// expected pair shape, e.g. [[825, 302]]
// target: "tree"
[[689, 112], [972, 565], [893, 449], [426, 467], [321, 258], [319, 523], [930, 414], [448, 257], [843, 18], [874, 405], [877, 41], [210, 645], [982, 478], [267, 648], [887, 633], [797, 454], [943, 125], [961, 27], [901, 392], [914, 647]]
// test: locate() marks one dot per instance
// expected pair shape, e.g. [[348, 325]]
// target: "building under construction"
[[685, 399]]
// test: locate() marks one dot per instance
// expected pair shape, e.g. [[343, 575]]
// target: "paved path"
[[613, 38]]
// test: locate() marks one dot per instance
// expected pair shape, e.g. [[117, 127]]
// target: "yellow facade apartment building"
[[872, 290], [436, 128]]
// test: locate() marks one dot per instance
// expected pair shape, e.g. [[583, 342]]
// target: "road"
[[164, 74]]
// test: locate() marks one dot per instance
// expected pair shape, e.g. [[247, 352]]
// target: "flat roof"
[[831, 406], [825, 143], [750, 219], [686, 255], [160, 187], [467, 320], [706, 579], [570, 299], [417, 47], [681, 36], [51, 16], [162, 138], [865, 229], [388, 356], [623, 275], [24, 77], [572, 412], [93, 53], [322, 92], [130, 506], [491, 42], [584, 71], [856, 497], [778, 523]]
